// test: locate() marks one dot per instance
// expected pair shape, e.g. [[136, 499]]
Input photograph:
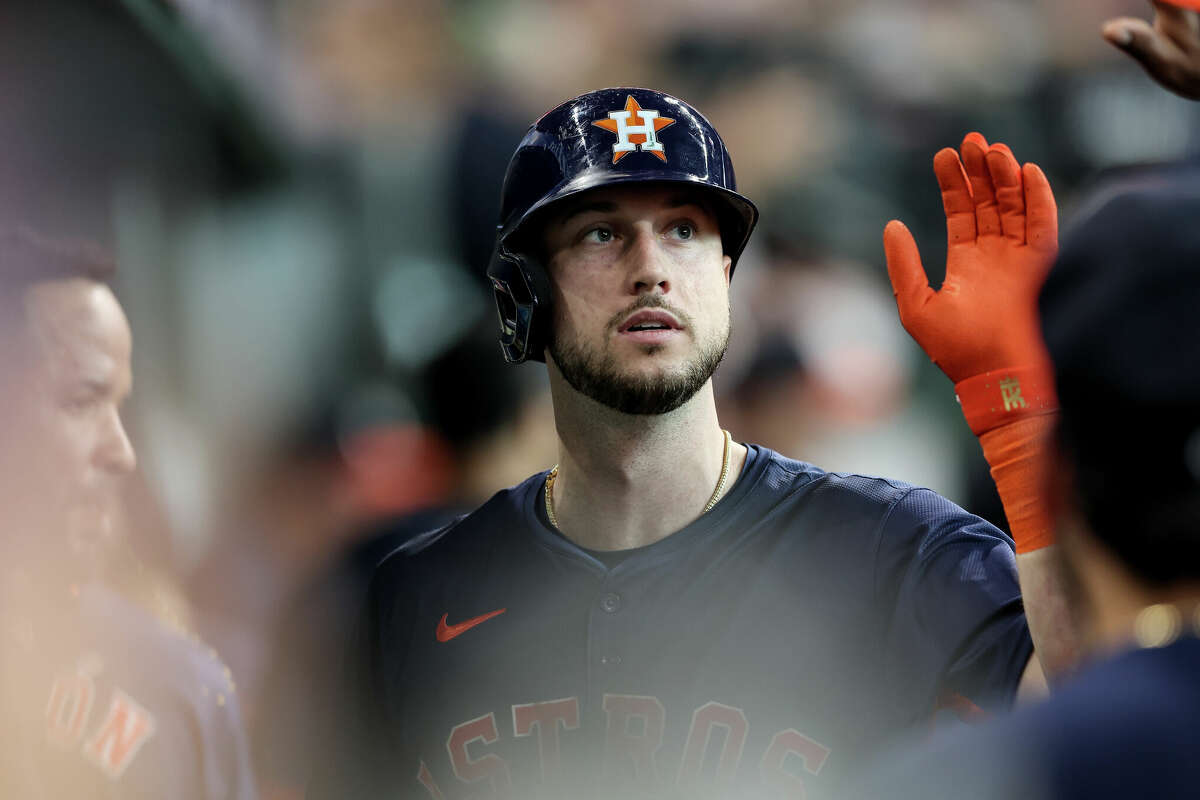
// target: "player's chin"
[[655, 374], [653, 360]]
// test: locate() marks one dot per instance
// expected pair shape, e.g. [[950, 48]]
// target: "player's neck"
[[628, 480]]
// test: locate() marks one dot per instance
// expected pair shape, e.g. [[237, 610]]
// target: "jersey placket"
[[607, 637]]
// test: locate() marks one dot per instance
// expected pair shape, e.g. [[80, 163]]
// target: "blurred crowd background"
[[301, 194]]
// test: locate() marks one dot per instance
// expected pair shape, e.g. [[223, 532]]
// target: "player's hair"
[[27, 258]]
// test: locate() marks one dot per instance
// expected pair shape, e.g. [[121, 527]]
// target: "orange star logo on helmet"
[[640, 135]]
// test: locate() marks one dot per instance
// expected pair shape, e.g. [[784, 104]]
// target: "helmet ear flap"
[[522, 292]]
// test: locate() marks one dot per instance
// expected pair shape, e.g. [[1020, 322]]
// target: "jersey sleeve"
[[956, 622], [206, 752]]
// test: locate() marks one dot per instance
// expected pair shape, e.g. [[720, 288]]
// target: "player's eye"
[[82, 398], [78, 404], [598, 235], [685, 230]]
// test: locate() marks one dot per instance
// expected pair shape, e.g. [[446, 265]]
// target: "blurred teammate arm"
[[981, 329], [1168, 49]]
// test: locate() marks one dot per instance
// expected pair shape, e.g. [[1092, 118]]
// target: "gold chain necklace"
[[712, 501]]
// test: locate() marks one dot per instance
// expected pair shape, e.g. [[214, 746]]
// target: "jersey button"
[[610, 602], [610, 661]]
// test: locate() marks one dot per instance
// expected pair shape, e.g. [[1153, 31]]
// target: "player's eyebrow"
[[693, 199], [86, 389], [601, 206], [88, 385]]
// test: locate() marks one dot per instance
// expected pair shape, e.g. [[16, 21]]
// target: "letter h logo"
[[640, 136]]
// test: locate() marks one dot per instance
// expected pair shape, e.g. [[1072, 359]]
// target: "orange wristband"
[[1003, 396], [1019, 455]]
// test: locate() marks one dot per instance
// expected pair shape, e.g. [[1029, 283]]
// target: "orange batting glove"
[[981, 328], [1002, 230]]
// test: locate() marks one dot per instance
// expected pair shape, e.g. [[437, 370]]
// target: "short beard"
[[597, 376]]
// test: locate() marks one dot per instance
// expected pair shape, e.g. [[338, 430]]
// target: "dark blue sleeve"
[[956, 619], [206, 752]]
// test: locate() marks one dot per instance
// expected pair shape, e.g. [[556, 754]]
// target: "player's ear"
[[728, 262]]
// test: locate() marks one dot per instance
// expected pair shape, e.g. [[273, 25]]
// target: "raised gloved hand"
[[1002, 229], [981, 328]]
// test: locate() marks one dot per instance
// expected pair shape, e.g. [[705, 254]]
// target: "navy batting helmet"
[[602, 138]]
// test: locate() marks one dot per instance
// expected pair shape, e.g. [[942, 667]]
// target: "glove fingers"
[[1002, 147], [978, 138], [987, 214], [956, 197], [910, 285], [1010, 192], [1041, 229]]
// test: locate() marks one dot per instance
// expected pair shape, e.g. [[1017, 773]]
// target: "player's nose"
[[647, 265], [114, 451]]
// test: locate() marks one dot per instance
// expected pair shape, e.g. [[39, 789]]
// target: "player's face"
[[66, 447], [641, 295]]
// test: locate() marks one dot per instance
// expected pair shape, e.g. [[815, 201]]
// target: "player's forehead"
[[77, 331], [632, 200]]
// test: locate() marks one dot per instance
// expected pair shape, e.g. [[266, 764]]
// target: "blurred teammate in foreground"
[[668, 612], [100, 699], [1119, 315], [1120, 320]]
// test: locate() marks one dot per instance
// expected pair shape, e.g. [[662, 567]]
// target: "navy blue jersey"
[[113, 704], [761, 650], [1127, 727]]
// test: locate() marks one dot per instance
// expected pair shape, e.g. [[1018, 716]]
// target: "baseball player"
[[101, 700], [667, 612]]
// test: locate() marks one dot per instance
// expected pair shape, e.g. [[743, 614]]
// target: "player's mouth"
[[650, 326]]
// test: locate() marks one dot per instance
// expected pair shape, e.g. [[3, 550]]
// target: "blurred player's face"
[[65, 447], [641, 296]]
